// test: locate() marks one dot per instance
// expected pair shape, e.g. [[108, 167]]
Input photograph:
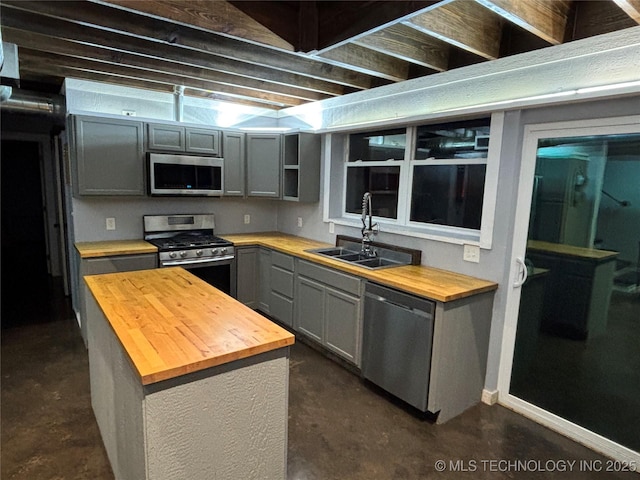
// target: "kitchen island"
[[186, 383]]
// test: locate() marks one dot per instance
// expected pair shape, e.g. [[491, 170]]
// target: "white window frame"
[[434, 163], [444, 233]]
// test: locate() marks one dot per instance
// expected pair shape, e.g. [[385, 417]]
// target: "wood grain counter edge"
[[170, 323], [427, 282], [110, 248]]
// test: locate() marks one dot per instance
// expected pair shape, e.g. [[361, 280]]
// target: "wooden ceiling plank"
[[410, 45], [50, 26], [59, 46], [219, 16], [545, 18], [341, 21], [464, 24], [369, 61], [35, 69], [158, 77], [158, 30], [599, 17], [630, 7]]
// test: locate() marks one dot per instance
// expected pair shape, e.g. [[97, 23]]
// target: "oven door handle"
[[196, 261]]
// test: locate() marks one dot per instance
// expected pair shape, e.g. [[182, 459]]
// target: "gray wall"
[[89, 215], [495, 263]]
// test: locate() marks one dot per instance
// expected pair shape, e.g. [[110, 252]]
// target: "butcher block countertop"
[[592, 254], [114, 247], [433, 283], [171, 323]]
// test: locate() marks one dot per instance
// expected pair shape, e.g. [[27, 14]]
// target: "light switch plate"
[[332, 227], [299, 222], [111, 223], [471, 253]]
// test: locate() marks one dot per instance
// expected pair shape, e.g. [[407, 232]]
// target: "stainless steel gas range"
[[189, 241]]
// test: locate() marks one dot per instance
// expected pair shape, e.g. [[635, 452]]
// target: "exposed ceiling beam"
[[368, 61], [219, 16], [36, 70], [44, 43], [99, 16], [410, 45], [596, 17], [464, 24], [544, 18], [357, 17], [78, 33], [35, 60], [631, 7]]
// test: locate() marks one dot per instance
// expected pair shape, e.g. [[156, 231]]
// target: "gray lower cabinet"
[[113, 264], [282, 287], [233, 146], [108, 156], [310, 313], [264, 279], [329, 309], [246, 273], [263, 165]]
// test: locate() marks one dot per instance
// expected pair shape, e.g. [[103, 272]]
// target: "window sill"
[[442, 234]]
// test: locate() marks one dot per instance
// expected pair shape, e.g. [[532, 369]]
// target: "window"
[[421, 177], [374, 166]]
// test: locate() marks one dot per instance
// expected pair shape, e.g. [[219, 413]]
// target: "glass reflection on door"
[[577, 351]]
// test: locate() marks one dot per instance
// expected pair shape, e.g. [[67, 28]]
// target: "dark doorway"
[[26, 285]]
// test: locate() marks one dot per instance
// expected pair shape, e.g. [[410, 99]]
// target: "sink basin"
[[378, 263], [334, 251], [354, 257]]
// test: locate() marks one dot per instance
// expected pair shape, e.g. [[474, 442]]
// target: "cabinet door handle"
[[522, 273]]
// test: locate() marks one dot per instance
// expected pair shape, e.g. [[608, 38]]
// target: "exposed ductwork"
[[24, 101]]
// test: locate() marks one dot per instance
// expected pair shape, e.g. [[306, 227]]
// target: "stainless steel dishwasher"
[[398, 333]]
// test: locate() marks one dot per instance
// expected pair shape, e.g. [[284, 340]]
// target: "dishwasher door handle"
[[378, 298]]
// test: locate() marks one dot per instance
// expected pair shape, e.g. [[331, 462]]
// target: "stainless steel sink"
[[333, 251], [353, 256]]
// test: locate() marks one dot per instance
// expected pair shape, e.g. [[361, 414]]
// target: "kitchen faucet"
[[369, 230]]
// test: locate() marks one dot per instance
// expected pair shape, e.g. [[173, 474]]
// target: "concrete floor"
[[338, 427]]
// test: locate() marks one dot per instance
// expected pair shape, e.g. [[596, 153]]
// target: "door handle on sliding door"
[[522, 273]]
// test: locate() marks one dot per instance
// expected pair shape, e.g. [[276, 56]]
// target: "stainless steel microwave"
[[185, 175]]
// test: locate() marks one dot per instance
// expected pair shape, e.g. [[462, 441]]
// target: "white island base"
[[226, 422]]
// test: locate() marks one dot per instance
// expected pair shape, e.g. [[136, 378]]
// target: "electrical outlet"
[[332, 227], [111, 223], [247, 219], [471, 253], [299, 222]]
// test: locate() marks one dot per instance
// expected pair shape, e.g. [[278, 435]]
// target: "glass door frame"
[[532, 134]]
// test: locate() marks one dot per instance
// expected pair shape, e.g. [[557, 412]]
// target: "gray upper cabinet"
[[301, 167], [200, 140], [165, 138], [233, 148], [263, 165], [181, 139], [109, 156]]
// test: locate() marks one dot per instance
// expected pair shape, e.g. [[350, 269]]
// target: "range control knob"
[[223, 250], [199, 253], [172, 255], [215, 251], [183, 254]]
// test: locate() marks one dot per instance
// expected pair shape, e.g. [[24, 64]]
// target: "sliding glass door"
[[576, 351]]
